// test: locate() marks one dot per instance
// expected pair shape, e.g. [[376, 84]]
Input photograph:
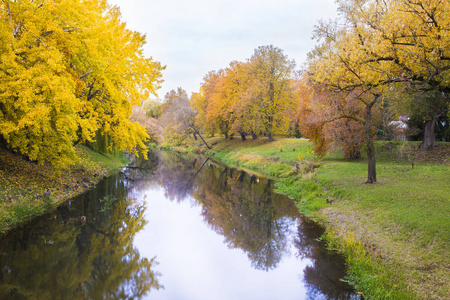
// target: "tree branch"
[[16, 30], [9, 15], [65, 29], [84, 75]]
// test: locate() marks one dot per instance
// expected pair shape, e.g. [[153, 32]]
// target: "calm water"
[[173, 227]]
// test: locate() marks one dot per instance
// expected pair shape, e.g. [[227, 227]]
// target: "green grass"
[[28, 189], [395, 233]]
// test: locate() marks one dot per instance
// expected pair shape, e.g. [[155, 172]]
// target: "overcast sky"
[[194, 37]]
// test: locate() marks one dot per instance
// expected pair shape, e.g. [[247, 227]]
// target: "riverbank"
[[28, 189], [395, 234]]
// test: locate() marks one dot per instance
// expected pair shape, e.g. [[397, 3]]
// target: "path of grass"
[[395, 234]]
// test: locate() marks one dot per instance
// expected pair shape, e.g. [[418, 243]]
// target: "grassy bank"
[[28, 189], [395, 234]]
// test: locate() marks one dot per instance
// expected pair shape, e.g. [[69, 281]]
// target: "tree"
[[153, 108], [420, 40], [252, 97], [270, 73], [411, 47], [70, 69], [217, 102], [382, 43], [316, 117], [337, 66], [151, 125], [178, 117]]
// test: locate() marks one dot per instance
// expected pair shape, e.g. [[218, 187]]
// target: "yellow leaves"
[[248, 97], [68, 70]]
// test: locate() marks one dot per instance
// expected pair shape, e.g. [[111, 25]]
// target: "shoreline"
[[381, 229], [394, 235], [28, 190]]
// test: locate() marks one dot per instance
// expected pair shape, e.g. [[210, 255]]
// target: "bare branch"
[[65, 29], [84, 75], [9, 14], [16, 30], [70, 29]]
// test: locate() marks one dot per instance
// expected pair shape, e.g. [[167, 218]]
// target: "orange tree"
[[251, 97]]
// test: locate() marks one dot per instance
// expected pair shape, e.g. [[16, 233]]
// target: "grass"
[[395, 234], [28, 189]]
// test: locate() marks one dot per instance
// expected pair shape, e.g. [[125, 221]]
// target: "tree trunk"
[[371, 162], [269, 129], [254, 136], [242, 136], [204, 142], [429, 139]]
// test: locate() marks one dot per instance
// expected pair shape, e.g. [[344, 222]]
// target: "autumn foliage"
[[373, 48], [329, 121], [253, 97], [68, 71]]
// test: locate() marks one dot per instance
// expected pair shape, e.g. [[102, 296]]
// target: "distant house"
[[400, 128]]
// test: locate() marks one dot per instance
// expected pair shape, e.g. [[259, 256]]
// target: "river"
[[173, 227]]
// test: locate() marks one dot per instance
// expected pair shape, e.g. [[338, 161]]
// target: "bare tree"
[[178, 117]]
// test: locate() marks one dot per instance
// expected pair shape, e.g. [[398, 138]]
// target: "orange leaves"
[[252, 97]]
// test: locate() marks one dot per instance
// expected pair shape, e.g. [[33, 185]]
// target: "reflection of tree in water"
[[141, 169], [323, 277], [176, 173], [64, 256], [241, 208], [246, 211]]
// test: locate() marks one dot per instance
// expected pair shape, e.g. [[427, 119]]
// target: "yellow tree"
[[384, 42], [223, 104], [252, 97], [270, 74], [247, 116], [412, 48], [198, 104], [414, 38], [344, 64], [70, 69], [218, 102]]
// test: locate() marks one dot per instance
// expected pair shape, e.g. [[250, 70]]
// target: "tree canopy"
[[70, 69], [252, 97], [380, 45]]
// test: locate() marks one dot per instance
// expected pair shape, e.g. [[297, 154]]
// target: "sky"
[[194, 37]]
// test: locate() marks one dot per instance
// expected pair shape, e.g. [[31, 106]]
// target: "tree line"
[[71, 72], [377, 61]]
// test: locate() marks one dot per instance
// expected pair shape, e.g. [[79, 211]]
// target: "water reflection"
[[250, 216], [323, 276], [84, 250]]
